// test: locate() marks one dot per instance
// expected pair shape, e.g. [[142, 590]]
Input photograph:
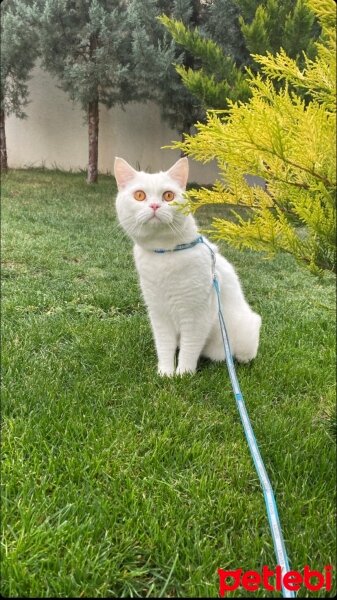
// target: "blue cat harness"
[[269, 498]]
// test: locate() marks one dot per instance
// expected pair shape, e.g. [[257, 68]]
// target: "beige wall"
[[55, 134]]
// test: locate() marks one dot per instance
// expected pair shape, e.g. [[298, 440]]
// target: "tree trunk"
[[93, 120], [3, 147]]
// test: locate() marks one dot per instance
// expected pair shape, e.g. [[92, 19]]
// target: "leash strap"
[[269, 498]]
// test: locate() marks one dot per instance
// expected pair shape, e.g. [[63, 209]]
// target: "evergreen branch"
[[205, 49], [287, 142], [287, 161]]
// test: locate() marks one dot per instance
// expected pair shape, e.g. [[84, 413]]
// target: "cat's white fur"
[[177, 286]]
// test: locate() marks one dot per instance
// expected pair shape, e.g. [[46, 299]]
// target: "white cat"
[[177, 285]]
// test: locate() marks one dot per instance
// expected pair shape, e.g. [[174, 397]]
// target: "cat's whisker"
[[118, 232], [127, 221], [118, 223], [140, 229], [131, 220], [135, 229], [131, 231], [175, 229], [172, 228]]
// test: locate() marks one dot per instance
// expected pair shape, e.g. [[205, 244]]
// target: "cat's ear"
[[179, 172], [124, 173]]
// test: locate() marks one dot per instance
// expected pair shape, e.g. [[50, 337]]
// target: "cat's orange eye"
[[139, 195], [168, 196]]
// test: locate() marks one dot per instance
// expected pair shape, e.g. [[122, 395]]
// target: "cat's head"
[[148, 204]]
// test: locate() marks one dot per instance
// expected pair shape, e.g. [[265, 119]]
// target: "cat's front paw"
[[165, 371], [185, 371]]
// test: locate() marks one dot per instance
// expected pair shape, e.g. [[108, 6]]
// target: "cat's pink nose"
[[154, 206]]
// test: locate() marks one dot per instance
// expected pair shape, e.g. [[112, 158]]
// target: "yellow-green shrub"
[[287, 140]]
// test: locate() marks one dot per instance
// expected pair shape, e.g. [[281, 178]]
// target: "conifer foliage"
[[154, 54], [217, 78], [212, 66], [266, 26], [269, 25], [86, 45], [287, 140], [19, 48]]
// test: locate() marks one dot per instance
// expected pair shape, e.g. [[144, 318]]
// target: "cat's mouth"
[[156, 219]]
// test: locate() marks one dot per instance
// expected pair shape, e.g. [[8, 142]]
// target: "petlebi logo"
[[273, 580]]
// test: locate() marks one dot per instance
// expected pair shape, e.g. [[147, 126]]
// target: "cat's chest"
[[177, 275]]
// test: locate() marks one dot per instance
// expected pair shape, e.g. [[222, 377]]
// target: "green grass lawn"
[[117, 483]]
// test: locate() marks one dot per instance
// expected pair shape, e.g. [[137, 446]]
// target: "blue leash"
[[269, 498], [198, 240]]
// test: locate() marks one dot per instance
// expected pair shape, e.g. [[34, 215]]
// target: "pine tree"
[[222, 25], [19, 50], [86, 45], [269, 25], [154, 53], [265, 26], [290, 143], [217, 80]]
